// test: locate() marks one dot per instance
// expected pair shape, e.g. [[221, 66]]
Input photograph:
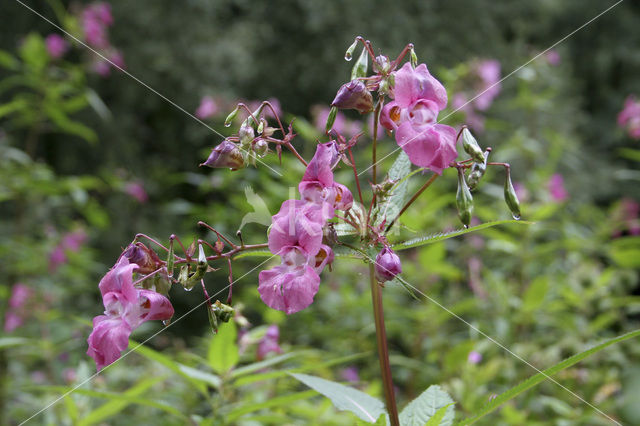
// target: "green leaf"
[[13, 106], [6, 342], [66, 125], [540, 377], [632, 154], [434, 238], [115, 406], [202, 376], [343, 397], [271, 403], [426, 406], [7, 60], [396, 199], [626, 251], [438, 417], [261, 365], [33, 52], [223, 352], [535, 293]]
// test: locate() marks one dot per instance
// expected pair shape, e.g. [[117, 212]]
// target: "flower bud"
[[354, 95], [231, 117], [219, 312], [464, 200], [361, 66], [146, 259], [387, 265], [227, 154], [261, 147], [510, 197], [331, 118], [414, 57], [471, 146], [349, 53], [246, 135], [382, 64]]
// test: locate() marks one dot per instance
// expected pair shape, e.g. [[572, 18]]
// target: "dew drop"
[[516, 216], [188, 288], [465, 226], [348, 56], [166, 322], [227, 124]]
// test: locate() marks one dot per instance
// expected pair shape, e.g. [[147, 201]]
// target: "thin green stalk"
[[383, 350]]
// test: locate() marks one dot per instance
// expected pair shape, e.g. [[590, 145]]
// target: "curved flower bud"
[[510, 196], [471, 146], [387, 265], [354, 95], [464, 200], [227, 154]]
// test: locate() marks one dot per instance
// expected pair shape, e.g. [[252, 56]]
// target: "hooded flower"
[[387, 265], [126, 308], [418, 98]]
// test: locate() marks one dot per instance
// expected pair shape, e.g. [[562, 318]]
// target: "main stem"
[[383, 350]]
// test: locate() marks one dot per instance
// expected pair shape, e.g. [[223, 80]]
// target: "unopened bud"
[[361, 66], [261, 126], [464, 200], [382, 64], [231, 117], [219, 312], [146, 259], [246, 134], [354, 95], [268, 131], [510, 196], [331, 118], [387, 265], [227, 154], [348, 55], [414, 57], [471, 146], [261, 147]]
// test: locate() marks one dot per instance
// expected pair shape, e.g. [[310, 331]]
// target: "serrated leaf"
[[426, 406], [434, 238], [343, 397], [223, 352], [540, 377]]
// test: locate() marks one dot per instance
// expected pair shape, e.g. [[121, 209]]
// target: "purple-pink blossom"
[[269, 343], [126, 308], [136, 190], [72, 242], [17, 310], [207, 108], [474, 357], [56, 45], [418, 98], [629, 117], [96, 18], [556, 188], [489, 85], [387, 265], [553, 57]]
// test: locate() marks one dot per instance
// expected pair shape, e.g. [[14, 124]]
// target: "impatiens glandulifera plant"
[[323, 223]]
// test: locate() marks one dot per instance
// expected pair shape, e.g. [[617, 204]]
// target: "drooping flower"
[[629, 117], [418, 98], [56, 45], [207, 108], [226, 154], [556, 188], [269, 342], [354, 95], [387, 265], [126, 308]]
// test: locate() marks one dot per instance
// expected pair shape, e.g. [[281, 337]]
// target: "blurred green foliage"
[[71, 142]]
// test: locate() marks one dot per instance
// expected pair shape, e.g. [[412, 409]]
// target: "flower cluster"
[[126, 308], [418, 98], [17, 310], [56, 45], [95, 21], [70, 242], [297, 235], [629, 117]]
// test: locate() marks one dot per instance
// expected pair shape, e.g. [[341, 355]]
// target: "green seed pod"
[[348, 55], [414, 58], [477, 171], [331, 118], [231, 117], [471, 146], [361, 66], [464, 200], [510, 196]]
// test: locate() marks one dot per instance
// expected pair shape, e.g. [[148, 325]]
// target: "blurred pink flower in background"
[[269, 343], [627, 214], [56, 45], [136, 190], [350, 374], [521, 191], [207, 108], [475, 121], [553, 57], [17, 310], [556, 188], [474, 357], [342, 125], [489, 72], [71, 241], [629, 117], [96, 18]]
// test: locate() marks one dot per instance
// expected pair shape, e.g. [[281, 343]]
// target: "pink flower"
[[136, 191], [474, 357], [475, 121], [56, 45], [269, 343], [350, 374], [553, 57], [418, 98], [71, 241], [387, 265], [207, 108], [17, 310], [95, 19], [126, 308], [489, 87], [116, 57], [629, 117], [556, 188], [101, 67]]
